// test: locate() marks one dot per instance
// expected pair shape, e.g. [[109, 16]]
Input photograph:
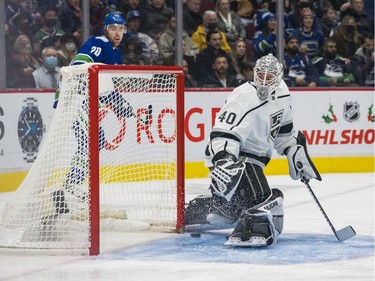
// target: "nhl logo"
[[351, 111]]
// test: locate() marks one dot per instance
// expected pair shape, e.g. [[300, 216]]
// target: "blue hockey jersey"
[[98, 49]]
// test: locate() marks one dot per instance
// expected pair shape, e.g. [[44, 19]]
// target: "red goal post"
[[129, 175]]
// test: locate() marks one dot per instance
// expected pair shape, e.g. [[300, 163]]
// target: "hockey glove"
[[300, 164], [226, 176]]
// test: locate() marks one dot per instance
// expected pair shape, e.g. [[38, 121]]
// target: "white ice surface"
[[306, 250]]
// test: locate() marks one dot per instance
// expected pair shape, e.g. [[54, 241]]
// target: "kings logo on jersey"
[[351, 111], [275, 123]]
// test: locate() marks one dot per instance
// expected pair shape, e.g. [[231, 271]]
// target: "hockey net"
[[129, 176]]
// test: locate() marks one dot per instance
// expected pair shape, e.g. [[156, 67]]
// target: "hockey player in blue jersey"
[[97, 49], [104, 49]]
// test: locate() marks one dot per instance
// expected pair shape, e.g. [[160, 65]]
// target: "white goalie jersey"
[[251, 128]]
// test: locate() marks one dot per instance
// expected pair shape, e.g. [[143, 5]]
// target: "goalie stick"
[[341, 234]]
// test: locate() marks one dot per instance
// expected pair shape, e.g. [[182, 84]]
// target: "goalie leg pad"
[[197, 210], [250, 190], [222, 212], [254, 229], [260, 225], [275, 205]]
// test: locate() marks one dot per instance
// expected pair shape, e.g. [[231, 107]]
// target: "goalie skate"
[[254, 229], [254, 241]]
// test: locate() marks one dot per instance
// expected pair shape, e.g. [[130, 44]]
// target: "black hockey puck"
[[195, 235]]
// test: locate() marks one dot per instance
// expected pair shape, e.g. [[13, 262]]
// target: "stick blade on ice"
[[345, 233]]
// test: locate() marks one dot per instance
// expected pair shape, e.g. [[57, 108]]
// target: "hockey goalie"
[[255, 120]]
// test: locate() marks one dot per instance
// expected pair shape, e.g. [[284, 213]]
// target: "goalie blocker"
[[300, 164]]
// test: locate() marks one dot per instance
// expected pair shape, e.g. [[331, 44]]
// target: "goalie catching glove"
[[227, 173], [300, 164]]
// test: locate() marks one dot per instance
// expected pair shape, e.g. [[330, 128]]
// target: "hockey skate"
[[254, 229], [259, 226]]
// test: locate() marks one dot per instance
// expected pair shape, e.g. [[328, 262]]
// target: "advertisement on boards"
[[335, 122], [24, 122]]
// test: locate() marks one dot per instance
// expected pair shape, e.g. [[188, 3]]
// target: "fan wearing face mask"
[[49, 32], [255, 119], [67, 50], [209, 24], [47, 76]]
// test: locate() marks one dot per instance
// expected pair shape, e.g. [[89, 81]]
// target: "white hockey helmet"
[[268, 72]]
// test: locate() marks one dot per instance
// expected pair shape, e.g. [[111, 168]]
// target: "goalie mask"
[[268, 72]]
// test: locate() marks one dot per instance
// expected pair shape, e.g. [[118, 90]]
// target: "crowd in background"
[[327, 43]]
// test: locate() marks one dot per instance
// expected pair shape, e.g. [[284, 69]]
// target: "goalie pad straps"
[[300, 164], [227, 174]]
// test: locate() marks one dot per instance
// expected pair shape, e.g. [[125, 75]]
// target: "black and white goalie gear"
[[300, 164], [197, 210], [226, 176], [249, 189], [260, 225]]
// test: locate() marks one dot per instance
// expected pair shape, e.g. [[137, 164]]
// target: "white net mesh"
[[138, 168]]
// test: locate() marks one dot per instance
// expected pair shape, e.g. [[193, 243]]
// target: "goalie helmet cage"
[[128, 177]]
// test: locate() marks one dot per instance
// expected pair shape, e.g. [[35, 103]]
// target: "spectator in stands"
[[248, 69], [167, 43], [347, 38], [333, 69], [363, 62], [229, 22], [310, 38], [298, 69], [264, 41], [206, 58], [133, 52], [239, 57], [220, 77], [67, 50], [20, 25], [18, 68], [70, 16], [48, 32], [299, 8], [328, 21], [270, 6], [246, 11], [191, 16], [43, 4], [98, 11], [365, 25], [12, 7], [209, 23], [189, 80], [155, 18], [47, 76], [150, 48], [370, 78], [125, 6], [110, 5]]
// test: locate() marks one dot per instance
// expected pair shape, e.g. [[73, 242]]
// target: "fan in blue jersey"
[[310, 38], [104, 49]]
